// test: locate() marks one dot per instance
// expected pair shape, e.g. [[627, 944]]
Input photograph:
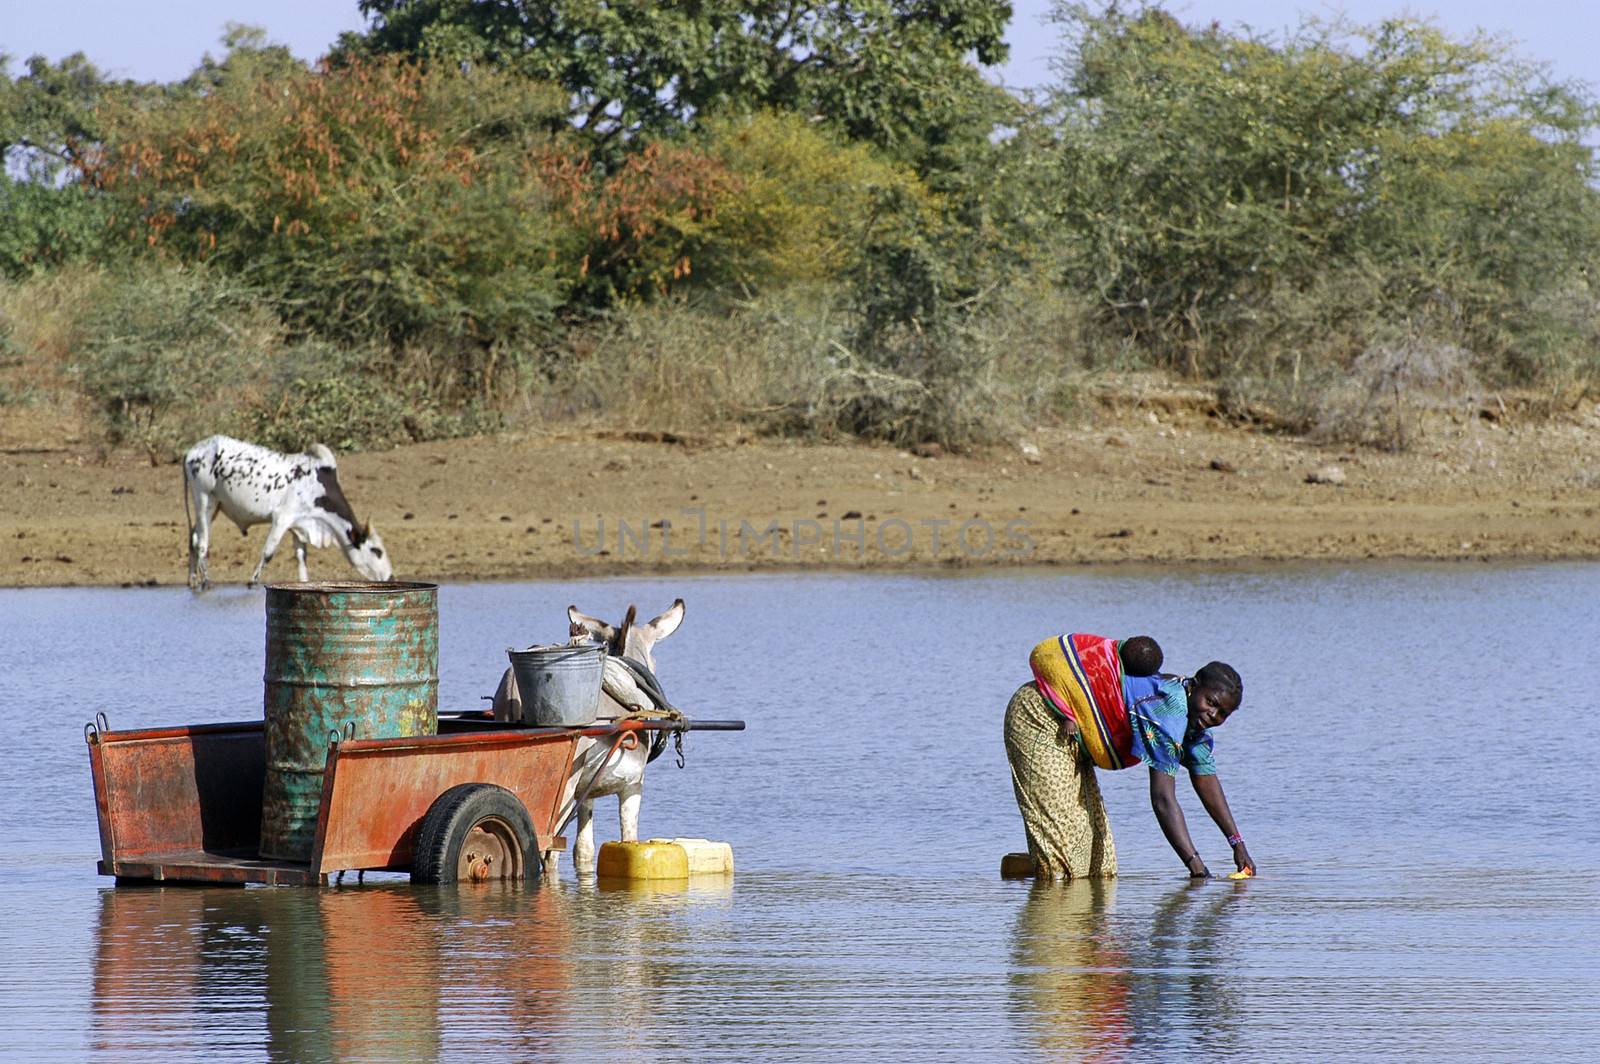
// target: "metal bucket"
[[360, 660], [559, 685]]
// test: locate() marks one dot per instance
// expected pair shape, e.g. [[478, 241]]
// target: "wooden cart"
[[479, 800]]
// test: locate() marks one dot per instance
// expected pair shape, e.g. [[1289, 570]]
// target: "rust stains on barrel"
[[359, 659]]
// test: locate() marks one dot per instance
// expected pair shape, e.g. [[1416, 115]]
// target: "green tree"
[[47, 113], [803, 205], [249, 57], [374, 201], [48, 110], [42, 225], [894, 72], [1196, 178]]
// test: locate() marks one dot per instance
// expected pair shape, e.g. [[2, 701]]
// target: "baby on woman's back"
[[1141, 656]]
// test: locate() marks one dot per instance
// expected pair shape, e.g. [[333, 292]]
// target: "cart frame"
[[183, 803]]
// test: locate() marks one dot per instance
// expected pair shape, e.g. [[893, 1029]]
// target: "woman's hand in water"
[[1242, 859]]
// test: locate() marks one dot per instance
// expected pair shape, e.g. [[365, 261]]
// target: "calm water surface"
[[1411, 768]]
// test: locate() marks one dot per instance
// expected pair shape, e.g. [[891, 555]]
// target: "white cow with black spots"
[[297, 494]]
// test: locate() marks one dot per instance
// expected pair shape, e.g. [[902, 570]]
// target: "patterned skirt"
[[1054, 780]]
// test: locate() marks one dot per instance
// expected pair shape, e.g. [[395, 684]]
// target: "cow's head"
[[629, 639], [367, 553]]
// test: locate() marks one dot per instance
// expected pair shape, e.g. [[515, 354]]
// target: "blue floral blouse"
[[1158, 714]]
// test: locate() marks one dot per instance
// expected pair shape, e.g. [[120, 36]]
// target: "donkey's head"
[[628, 639]]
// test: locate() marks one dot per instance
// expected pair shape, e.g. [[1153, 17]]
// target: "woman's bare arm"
[[1209, 788], [1164, 801]]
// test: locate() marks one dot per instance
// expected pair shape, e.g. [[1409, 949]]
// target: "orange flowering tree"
[[388, 199]]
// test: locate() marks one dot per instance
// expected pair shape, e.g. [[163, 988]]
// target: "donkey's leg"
[[583, 845], [628, 809]]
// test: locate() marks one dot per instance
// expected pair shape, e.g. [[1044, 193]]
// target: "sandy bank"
[[1148, 484]]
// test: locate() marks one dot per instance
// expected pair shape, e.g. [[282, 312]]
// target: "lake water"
[[1408, 768]]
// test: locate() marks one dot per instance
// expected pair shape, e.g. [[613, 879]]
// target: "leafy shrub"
[[936, 301], [168, 355], [379, 200], [318, 394], [388, 201], [48, 227], [803, 205], [1199, 175], [639, 219]]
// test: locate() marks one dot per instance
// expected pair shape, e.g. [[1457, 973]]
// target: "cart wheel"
[[473, 833]]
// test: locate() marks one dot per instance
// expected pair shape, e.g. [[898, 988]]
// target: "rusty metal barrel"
[[353, 659]]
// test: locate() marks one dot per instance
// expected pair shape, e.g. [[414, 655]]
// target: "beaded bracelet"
[[1234, 840]]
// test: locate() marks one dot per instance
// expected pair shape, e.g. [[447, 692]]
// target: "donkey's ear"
[[593, 625], [668, 622], [619, 638]]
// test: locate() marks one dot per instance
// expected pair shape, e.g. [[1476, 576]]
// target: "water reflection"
[[1070, 983], [382, 972], [866, 920], [503, 969], [1094, 985], [147, 960], [379, 959], [641, 927], [1183, 991], [303, 975]]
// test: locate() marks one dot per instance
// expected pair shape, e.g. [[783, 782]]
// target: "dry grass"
[[785, 364], [40, 332]]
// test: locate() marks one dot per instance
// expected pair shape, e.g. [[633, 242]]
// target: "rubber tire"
[[451, 819]]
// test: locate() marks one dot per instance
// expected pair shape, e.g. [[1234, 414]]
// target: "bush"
[[169, 355], [1205, 180], [691, 362], [782, 364], [46, 228], [318, 394], [802, 205], [1382, 398], [377, 201], [640, 219], [39, 323]]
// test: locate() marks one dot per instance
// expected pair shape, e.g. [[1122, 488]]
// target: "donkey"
[[297, 494], [603, 768]]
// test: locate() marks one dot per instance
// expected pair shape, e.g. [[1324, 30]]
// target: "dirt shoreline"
[[1154, 483]]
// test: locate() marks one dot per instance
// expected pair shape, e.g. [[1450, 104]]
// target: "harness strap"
[[660, 710], [594, 777]]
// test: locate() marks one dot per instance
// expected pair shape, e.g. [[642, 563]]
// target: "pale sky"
[[163, 41]]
